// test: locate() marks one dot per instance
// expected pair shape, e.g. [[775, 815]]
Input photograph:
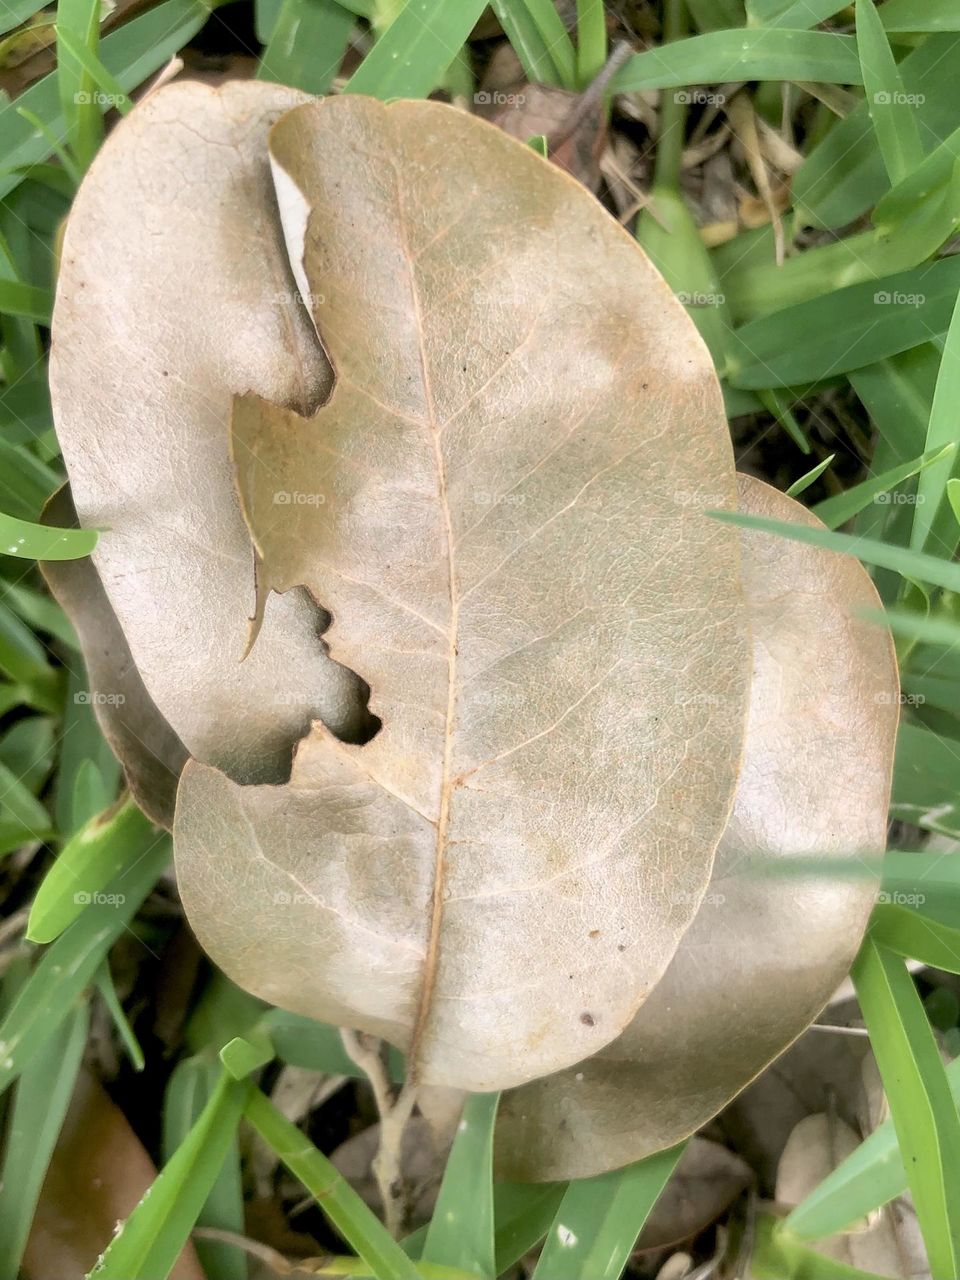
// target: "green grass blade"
[[923, 1111], [78, 28], [36, 1118], [768, 54], [941, 430], [266, 13], [897, 393], [70, 169], [410, 58], [887, 101], [27, 300], [796, 14], [307, 44], [27, 750], [840, 508], [877, 319], [333, 1193], [461, 1232], [19, 337], [313, 1046], [668, 232], [69, 965], [591, 40], [914, 565], [814, 474], [23, 659], [953, 497], [925, 779], [599, 1220], [935, 691], [41, 614], [108, 92], [25, 484], [916, 935], [30, 541], [189, 1089], [843, 176], [527, 42], [131, 54], [523, 1214], [90, 860], [921, 15], [871, 1176], [243, 1055], [760, 288], [25, 410], [779, 405], [776, 1255], [717, 15], [548, 22], [83, 750], [92, 793], [15, 12], [108, 993], [932, 176], [23, 818], [151, 1239]]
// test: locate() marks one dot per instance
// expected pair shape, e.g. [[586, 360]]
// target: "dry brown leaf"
[[704, 1184], [507, 525], [764, 954], [677, 1267], [817, 1144], [575, 129], [174, 293], [502, 507], [743, 119], [97, 1175]]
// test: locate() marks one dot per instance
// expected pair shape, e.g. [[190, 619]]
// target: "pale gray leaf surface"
[[763, 955], [174, 294], [504, 512]]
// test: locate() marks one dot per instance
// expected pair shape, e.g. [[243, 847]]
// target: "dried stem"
[[395, 1110]]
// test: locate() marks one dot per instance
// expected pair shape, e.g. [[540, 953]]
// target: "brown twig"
[[394, 1110]]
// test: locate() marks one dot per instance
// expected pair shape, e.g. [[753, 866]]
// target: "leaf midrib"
[[431, 961]]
